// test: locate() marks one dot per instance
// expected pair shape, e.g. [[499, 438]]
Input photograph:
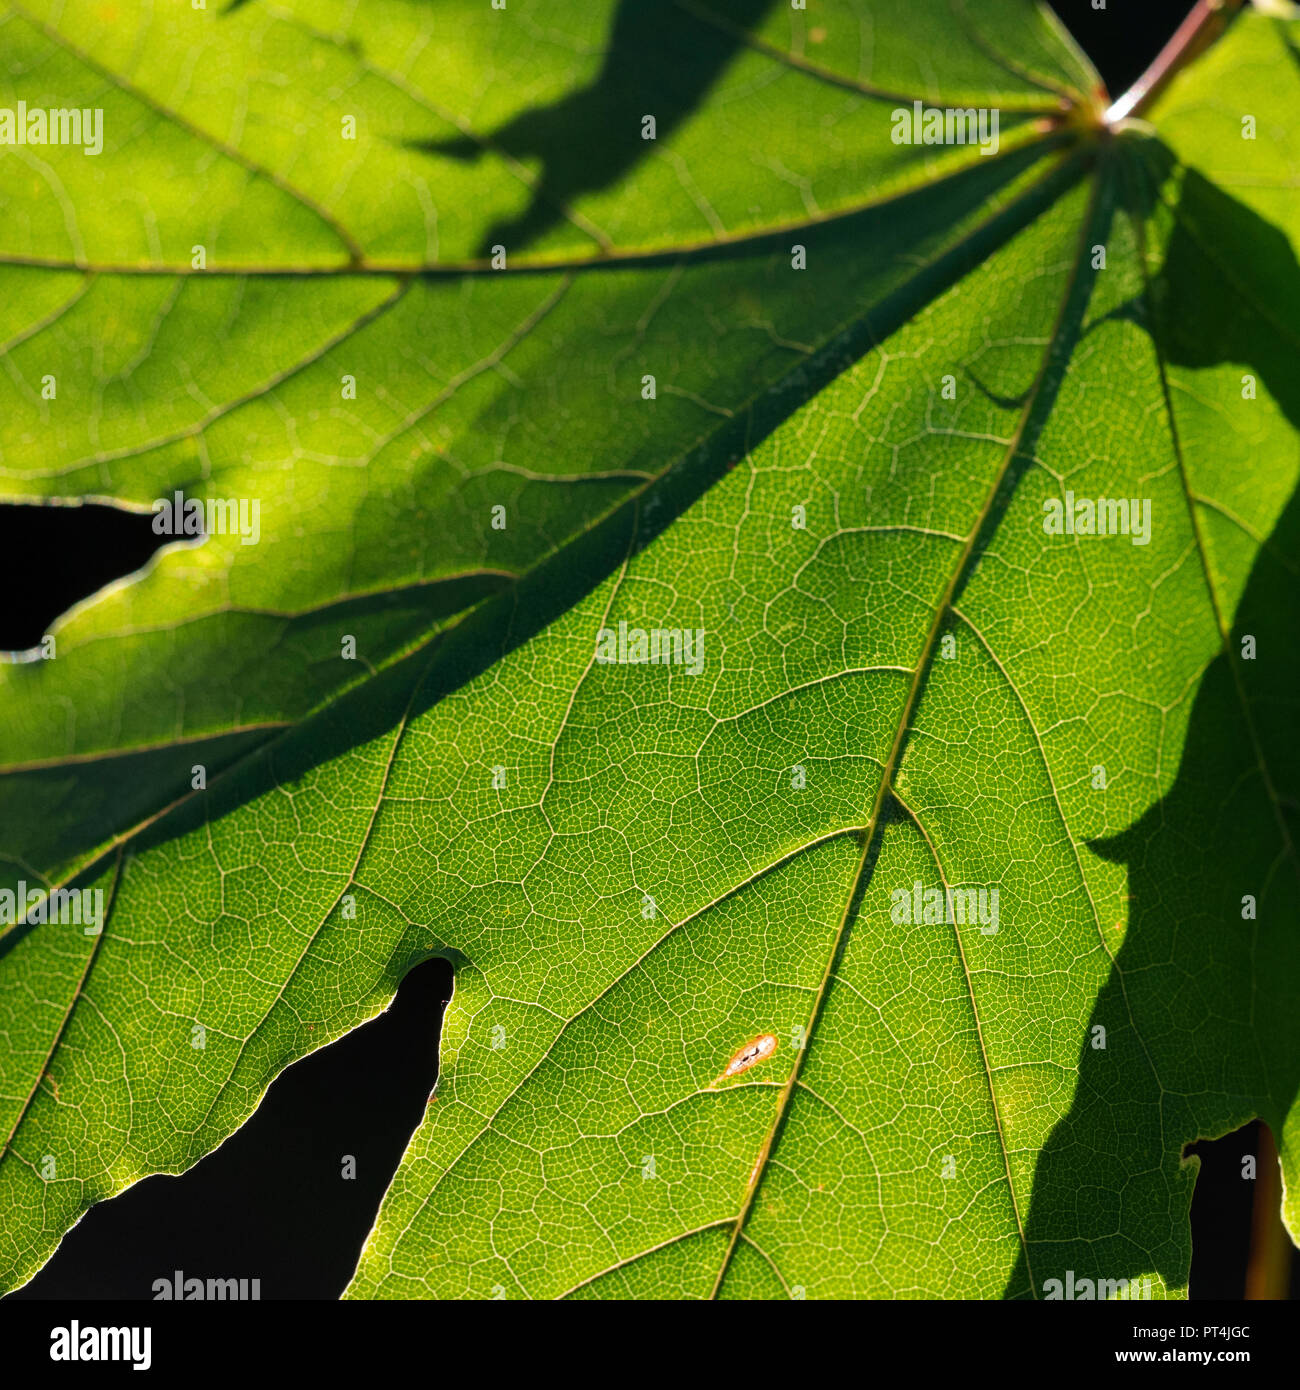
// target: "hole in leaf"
[[1122, 40], [57, 555], [271, 1203]]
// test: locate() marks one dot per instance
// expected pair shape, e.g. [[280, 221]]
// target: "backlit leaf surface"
[[840, 484]]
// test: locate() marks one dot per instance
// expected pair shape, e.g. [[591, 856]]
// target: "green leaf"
[[900, 678]]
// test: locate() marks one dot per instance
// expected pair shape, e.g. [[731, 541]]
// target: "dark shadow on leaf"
[[659, 61], [1111, 1190], [855, 247], [52, 816], [1003, 402]]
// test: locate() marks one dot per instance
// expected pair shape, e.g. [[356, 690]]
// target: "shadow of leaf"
[[1200, 1025], [80, 805], [659, 61]]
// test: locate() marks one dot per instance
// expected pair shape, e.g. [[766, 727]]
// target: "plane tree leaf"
[[352, 364], [893, 934]]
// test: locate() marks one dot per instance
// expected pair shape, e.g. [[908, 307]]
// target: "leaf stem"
[[1268, 1270], [1203, 25]]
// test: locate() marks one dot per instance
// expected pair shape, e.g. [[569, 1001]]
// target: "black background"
[[270, 1203]]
